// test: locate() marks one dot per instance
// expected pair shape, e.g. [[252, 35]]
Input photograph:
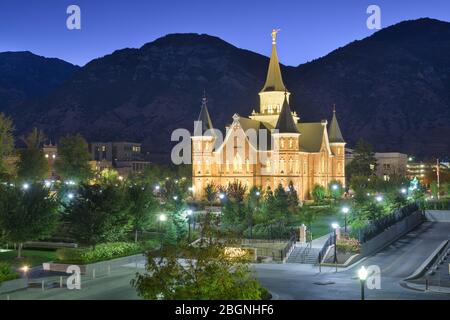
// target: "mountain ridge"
[[391, 88]]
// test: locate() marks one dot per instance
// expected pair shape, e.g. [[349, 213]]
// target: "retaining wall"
[[392, 233]]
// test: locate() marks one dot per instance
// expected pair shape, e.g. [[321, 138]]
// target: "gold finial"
[[274, 35]]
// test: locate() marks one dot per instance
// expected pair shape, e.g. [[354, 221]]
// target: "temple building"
[[270, 147]]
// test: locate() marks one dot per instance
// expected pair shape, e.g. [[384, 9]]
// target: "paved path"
[[399, 260], [295, 281]]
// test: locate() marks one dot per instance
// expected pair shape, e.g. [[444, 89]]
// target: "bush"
[[348, 245], [6, 272], [102, 252]]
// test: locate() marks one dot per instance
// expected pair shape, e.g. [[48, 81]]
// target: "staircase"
[[303, 254]]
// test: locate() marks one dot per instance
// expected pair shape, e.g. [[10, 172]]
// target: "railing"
[[288, 248], [376, 227], [324, 249]]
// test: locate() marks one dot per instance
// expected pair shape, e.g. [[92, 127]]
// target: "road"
[[293, 281], [397, 261]]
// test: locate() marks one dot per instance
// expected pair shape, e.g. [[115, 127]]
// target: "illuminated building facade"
[[270, 147]]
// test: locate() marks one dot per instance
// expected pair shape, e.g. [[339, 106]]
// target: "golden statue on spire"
[[274, 35]]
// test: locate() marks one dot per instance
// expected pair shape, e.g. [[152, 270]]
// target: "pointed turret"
[[274, 81], [204, 120], [286, 123], [334, 132]]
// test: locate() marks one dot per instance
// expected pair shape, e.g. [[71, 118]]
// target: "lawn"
[[323, 218], [29, 258]]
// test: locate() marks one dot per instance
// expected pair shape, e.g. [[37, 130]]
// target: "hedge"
[[102, 252]]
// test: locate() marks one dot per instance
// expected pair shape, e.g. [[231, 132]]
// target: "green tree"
[[32, 164], [27, 215], [292, 199], [6, 146], [73, 158], [364, 162], [206, 273], [254, 208], [97, 214], [234, 209], [335, 189], [318, 193], [143, 206]]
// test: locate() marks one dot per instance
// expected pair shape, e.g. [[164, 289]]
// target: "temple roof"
[[312, 136], [286, 123], [334, 132]]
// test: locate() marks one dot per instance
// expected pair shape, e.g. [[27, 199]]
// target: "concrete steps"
[[304, 255]]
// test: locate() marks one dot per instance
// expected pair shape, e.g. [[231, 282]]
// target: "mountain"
[[24, 76], [392, 88]]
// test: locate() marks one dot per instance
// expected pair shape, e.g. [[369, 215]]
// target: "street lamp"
[[403, 190], [70, 196], [25, 186], [379, 198], [334, 187], [345, 211], [335, 226], [162, 218], [25, 270], [175, 198], [362, 275], [221, 196]]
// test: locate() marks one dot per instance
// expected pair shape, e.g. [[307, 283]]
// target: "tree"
[[97, 214], [318, 193], [32, 164], [292, 199], [143, 206], [253, 207], [364, 162], [206, 273], [6, 146], [234, 209], [27, 215], [335, 189], [73, 158]]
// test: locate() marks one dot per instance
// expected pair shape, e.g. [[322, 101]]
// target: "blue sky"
[[309, 29]]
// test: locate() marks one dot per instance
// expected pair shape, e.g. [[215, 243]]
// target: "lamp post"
[[25, 270], [345, 211], [362, 275], [335, 226], [162, 218]]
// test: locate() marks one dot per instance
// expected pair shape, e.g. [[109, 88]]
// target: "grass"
[[29, 258], [323, 218]]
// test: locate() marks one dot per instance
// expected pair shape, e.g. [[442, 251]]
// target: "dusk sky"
[[309, 29]]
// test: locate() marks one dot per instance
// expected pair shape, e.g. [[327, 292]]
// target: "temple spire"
[[286, 123], [204, 120], [334, 132], [274, 81]]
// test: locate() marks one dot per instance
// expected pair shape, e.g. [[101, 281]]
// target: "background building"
[[125, 157], [388, 163]]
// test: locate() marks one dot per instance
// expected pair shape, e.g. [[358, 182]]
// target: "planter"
[[92, 268]]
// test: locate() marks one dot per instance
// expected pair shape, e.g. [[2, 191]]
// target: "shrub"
[[6, 272], [264, 231], [348, 245], [102, 252]]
